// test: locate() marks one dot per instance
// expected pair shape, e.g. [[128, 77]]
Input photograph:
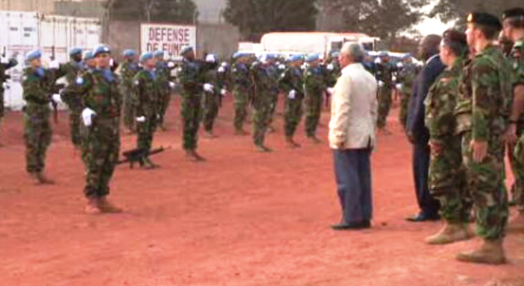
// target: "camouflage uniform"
[[38, 132], [101, 140], [211, 100], [241, 91], [262, 103], [71, 97], [482, 111], [128, 70], [274, 74], [292, 79], [148, 104], [164, 75], [190, 78], [517, 59], [385, 75], [406, 77], [3, 68], [447, 175], [314, 80]]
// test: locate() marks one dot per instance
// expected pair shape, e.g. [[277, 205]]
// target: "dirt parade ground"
[[241, 218]]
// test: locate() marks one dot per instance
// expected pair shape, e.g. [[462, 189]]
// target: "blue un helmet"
[[102, 49], [75, 51], [146, 56], [33, 55], [129, 53]]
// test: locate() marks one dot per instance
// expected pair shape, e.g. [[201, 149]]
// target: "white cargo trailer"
[[21, 32]]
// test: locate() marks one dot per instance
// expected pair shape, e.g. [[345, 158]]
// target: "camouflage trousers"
[[74, 126], [211, 102], [146, 131], [292, 115], [313, 112], [447, 181], [261, 120], [2, 107], [37, 135], [404, 105], [274, 104], [129, 110], [100, 152], [241, 105], [517, 164], [191, 115], [384, 105], [486, 186], [164, 106]]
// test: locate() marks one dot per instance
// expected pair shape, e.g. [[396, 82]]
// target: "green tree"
[[254, 18], [160, 11], [380, 18]]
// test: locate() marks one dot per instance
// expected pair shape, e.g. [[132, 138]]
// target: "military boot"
[[291, 143], [107, 207], [92, 206], [491, 252], [193, 155], [450, 233], [241, 132], [314, 139], [41, 179], [263, 149], [517, 224], [150, 165]]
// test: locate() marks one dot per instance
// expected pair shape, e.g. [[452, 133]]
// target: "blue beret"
[[295, 58], [146, 56], [75, 51], [129, 53], [34, 54], [383, 54], [313, 58], [158, 54], [88, 56], [186, 50], [100, 50], [239, 55]]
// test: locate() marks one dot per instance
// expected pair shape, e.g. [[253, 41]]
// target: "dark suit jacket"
[[416, 112]]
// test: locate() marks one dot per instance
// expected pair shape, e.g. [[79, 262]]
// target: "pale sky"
[[432, 26]]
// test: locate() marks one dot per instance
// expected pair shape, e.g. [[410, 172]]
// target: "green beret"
[[484, 19]]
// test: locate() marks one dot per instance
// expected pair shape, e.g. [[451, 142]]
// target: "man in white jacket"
[[352, 137]]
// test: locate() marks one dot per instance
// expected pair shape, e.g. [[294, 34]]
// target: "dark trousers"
[[353, 176], [421, 158]]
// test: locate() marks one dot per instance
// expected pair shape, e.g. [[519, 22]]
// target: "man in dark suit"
[[418, 133]]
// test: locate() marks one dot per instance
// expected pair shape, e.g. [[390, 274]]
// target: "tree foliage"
[[380, 18], [257, 17], [159, 11]]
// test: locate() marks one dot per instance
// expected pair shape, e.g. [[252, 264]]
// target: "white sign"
[[168, 38]]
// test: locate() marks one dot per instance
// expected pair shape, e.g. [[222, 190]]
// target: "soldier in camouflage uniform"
[[274, 71], [514, 30], [70, 94], [89, 61], [332, 72], [5, 64], [315, 86], [100, 131], [482, 113], [242, 83], [262, 103], [211, 94], [128, 70], [406, 78], [148, 105], [163, 70], [447, 176], [384, 74], [190, 76], [292, 83], [37, 85]]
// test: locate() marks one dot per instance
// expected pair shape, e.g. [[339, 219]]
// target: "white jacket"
[[354, 109]]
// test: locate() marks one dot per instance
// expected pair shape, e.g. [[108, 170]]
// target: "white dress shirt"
[[354, 109]]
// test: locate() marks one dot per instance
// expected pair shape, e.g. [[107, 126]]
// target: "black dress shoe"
[[422, 217], [352, 226]]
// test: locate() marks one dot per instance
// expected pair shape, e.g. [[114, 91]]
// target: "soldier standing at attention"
[[447, 176], [241, 90], [211, 94], [513, 23], [163, 74], [70, 95], [38, 132], [407, 76], [315, 87], [100, 131], [5, 64], [292, 83], [482, 114], [274, 73], [385, 77], [128, 70], [191, 81], [148, 105], [261, 103]]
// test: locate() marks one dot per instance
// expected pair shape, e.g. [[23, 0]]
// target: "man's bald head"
[[430, 46]]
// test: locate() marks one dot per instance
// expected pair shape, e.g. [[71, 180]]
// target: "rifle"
[[138, 156]]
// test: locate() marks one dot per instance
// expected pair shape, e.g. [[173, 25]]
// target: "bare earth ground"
[[242, 218]]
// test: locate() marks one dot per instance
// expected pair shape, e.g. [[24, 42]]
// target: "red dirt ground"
[[242, 218]]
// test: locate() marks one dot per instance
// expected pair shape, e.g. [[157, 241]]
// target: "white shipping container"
[[25, 31]]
